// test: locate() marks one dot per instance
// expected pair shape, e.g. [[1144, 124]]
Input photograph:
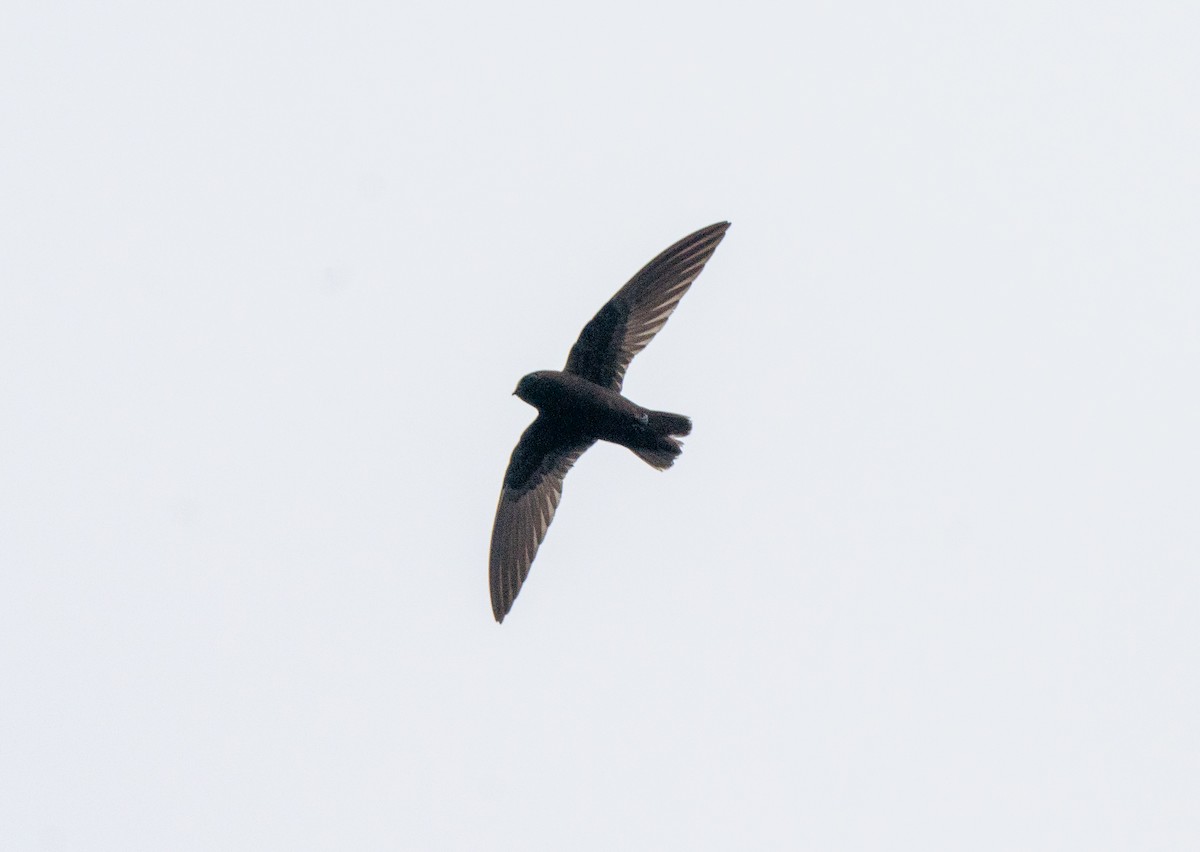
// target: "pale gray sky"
[[924, 578]]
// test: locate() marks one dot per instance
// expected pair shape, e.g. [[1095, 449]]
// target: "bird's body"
[[583, 410], [583, 404]]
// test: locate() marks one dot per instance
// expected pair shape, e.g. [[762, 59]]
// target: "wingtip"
[[499, 610]]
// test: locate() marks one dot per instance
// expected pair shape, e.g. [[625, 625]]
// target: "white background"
[[924, 578]]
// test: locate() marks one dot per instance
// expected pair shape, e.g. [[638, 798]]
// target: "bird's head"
[[528, 388]]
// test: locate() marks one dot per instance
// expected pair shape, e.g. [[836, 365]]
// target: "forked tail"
[[661, 449]]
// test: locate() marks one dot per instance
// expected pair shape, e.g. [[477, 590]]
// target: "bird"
[[583, 403]]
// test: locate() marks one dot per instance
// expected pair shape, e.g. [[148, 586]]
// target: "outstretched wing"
[[634, 315], [532, 488]]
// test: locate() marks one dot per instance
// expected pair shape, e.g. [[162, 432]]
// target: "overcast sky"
[[925, 577]]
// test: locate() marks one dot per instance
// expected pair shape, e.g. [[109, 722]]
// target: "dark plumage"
[[583, 404]]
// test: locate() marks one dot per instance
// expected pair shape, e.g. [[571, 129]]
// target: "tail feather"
[[662, 456], [666, 423]]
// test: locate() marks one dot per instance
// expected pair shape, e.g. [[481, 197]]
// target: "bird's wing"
[[532, 488], [634, 315]]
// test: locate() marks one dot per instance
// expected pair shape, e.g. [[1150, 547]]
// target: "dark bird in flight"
[[583, 404]]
